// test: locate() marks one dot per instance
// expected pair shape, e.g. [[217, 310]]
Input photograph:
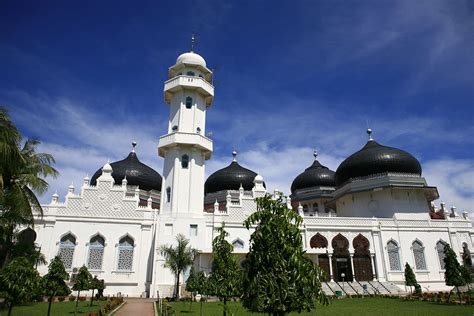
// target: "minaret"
[[189, 93]]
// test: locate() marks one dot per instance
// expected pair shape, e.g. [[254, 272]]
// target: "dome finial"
[[193, 41], [315, 154], [369, 132], [134, 144], [234, 155]]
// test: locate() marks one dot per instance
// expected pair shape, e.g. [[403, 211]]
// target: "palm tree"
[[22, 173], [178, 258]]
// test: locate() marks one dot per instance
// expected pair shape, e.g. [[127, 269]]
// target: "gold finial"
[[193, 40]]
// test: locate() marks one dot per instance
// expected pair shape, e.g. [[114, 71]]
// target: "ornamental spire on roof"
[[369, 132], [315, 154], [193, 41], [234, 155], [134, 144]]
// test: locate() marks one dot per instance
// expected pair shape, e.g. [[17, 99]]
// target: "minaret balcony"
[[189, 82], [197, 141]]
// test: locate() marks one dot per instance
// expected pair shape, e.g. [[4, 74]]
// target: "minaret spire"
[[193, 41]]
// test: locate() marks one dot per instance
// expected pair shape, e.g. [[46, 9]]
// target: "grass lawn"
[[356, 306], [57, 309]]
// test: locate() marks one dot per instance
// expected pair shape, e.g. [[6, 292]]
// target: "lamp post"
[[343, 275]]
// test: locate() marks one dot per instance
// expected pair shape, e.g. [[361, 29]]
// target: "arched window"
[[168, 194], [440, 249], [67, 244], [96, 253], [189, 102], [238, 244], [125, 254], [393, 256], [315, 208], [305, 208], [190, 73], [185, 161], [419, 254]]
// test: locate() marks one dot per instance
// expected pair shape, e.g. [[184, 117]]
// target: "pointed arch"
[[361, 245], [318, 241], [340, 244], [125, 253], [440, 245], [96, 252], [67, 246], [238, 243], [393, 252], [419, 254]]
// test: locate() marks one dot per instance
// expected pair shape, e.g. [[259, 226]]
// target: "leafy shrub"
[[71, 298], [61, 298]]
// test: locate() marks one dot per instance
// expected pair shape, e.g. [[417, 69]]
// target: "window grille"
[[67, 245], [419, 254], [125, 254], [96, 253], [393, 256], [440, 249]]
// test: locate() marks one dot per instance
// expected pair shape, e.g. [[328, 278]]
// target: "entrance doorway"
[[362, 265], [341, 260]]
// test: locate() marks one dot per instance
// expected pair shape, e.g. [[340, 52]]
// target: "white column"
[[375, 274], [352, 267], [330, 268]]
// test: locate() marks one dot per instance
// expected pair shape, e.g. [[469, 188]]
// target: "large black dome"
[[230, 178], [313, 176], [374, 158], [137, 173]]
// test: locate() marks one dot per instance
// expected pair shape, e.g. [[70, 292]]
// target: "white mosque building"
[[362, 222]]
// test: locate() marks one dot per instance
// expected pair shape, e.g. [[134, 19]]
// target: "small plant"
[[61, 298]]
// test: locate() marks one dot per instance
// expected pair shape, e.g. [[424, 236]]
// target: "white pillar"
[[375, 274], [330, 268], [352, 267]]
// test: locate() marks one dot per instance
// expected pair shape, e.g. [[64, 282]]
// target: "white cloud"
[[455, 181]]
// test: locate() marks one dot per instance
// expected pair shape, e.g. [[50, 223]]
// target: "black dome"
[[374, 158], [230, 178], [315, 175], [137, 173]]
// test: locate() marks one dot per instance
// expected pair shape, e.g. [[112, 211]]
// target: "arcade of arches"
[[342, 264]]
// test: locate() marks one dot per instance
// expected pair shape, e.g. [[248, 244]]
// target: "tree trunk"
[[92, 297], [10, 309], [201, 308], [177, 286], [50, 301], [459, 295], [225, 306], [77, 302]]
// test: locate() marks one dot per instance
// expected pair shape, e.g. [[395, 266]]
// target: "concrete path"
[[136, 307]]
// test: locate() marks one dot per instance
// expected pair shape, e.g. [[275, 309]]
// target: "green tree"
[[22, 173], [410, 278], [18, 281], [53, 282], [178, 258], [278, 277], [453, 275], [202, 288], [192, 285], [226, 276], [82, 282], [98, 285]]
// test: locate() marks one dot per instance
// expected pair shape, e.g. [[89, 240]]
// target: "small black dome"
[[374, 158], [315, 175], [137, 173], [230, 178]]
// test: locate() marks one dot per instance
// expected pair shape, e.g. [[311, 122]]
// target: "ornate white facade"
[[366, 228]]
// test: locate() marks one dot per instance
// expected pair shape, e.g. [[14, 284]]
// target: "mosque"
[[361, 223]]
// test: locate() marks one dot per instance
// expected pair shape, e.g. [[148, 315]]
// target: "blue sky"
[[86, 78]]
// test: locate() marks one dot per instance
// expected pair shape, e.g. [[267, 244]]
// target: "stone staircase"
[[357, 288]]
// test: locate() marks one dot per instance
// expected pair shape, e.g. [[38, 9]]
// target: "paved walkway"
[[136, 307]]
